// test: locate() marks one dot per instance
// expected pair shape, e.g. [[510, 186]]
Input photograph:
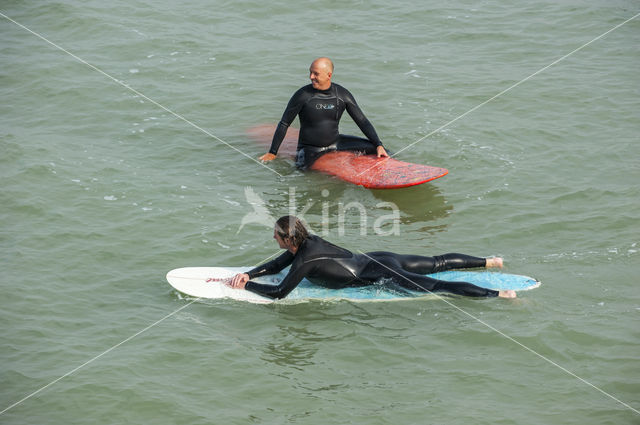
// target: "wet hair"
[[291, 228]]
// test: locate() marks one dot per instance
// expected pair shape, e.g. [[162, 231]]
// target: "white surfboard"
[[195, 281], [202, 282]]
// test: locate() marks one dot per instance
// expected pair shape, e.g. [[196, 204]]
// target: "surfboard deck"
[[365, 170], [197, 282]]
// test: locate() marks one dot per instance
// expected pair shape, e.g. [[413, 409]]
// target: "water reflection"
[[290, 347], [308, 333], [330, 206], [423, 203], [302, 330]]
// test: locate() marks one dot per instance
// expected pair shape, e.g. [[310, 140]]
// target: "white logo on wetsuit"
[[325, 105]]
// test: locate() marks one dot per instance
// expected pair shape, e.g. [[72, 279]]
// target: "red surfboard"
[[364, 170]]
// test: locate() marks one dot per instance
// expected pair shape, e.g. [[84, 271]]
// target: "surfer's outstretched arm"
[[238, 281], [274, 266], [281, 290]]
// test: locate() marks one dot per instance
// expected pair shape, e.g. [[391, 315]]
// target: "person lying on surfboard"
[[320, 106], [334, 267]]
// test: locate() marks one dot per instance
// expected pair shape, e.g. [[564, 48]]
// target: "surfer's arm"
[[290, 113], [359, 118], [278, 137], [288, 284], [272, 267], [240, 280]]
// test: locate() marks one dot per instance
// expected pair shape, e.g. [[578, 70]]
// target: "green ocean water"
[[107, 186]]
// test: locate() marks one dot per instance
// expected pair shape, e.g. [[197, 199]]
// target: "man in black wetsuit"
[[330, 266], [320, 106]]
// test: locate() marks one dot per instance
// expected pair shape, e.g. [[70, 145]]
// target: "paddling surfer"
[[334, 267], [320, 106]]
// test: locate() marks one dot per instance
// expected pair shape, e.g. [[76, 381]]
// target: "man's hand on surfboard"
[[382, 153], [269, 156], [238, 281]]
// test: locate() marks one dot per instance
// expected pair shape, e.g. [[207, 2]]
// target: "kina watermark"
[[335, 216]]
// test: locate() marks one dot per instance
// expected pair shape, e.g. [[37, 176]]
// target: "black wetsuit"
[[330, 266], [320, 112]]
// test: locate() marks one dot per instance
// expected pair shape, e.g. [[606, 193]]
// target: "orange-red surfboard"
[[364, 170]]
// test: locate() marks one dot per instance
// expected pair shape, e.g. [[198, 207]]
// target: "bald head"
[[324, 63], [320, 73]]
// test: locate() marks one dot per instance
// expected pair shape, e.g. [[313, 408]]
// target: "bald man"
[[320, 106]]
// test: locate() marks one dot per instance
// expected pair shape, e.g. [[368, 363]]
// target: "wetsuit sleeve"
[[288, 284], [359, 118], [293, 108], [272, 267]]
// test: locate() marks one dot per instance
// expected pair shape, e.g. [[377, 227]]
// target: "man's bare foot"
[[494, 262], [508, 293]]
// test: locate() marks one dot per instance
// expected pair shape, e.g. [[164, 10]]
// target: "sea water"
[[124, 155]]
